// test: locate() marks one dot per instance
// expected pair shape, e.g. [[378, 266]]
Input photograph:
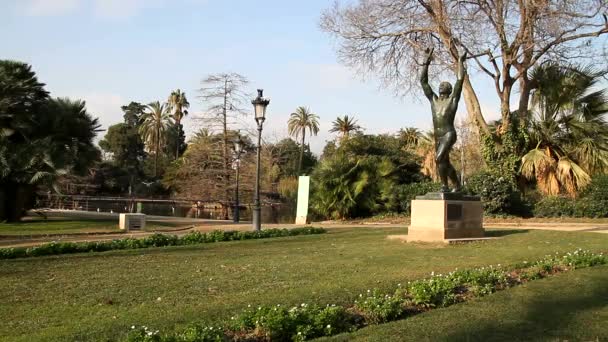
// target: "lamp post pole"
[[259, 105], [238, 149]]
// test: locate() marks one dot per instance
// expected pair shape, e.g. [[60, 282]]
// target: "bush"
[[499, 194], [597, 190], [155, 240], [277, 323], [554, 206], [379, 308], [436, 291], [408, 192]]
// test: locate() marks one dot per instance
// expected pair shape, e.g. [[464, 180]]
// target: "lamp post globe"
[[259, 106]]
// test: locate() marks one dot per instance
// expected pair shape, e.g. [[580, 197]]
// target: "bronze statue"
[[444, 109]]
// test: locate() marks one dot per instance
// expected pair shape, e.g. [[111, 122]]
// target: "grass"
[[99, 296], [568, 307], [60, 226]]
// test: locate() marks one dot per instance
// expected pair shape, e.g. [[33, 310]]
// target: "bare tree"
[[225, 97], [387, 37]]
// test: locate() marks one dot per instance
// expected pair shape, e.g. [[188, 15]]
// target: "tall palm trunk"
[[301, 153], [177, 137], [157, 149]]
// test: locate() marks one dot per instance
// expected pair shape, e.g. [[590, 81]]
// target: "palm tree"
[[178, 105], [568, 130], [297, 124], [153, 129], [344, 126], [410, 136]]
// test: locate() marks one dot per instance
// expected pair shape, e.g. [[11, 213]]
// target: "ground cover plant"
[[155, 240], [302, 322], [99, 296]]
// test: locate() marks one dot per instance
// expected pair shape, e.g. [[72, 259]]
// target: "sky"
[[112, 52]]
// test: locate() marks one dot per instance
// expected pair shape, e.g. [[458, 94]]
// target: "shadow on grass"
[[504, 232], [548, 318]]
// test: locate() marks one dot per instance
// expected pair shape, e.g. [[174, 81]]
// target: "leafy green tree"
[[125, 144], [298, 122], [345, 126], [286, 153], [178, 106], [133, 113], [41, 138], [176, 141], [363, 176], [568, 132], [153, 129]]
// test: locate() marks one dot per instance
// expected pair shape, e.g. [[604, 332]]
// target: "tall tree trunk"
[[177, 136], [525, 87], [15, 198], [157, 149], [505, 107], [473, 108], [301, 153], [226, 161]]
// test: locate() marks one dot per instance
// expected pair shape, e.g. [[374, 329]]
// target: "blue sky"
[[111, 52]]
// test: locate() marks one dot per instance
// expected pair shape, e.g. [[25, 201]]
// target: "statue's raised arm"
[[462, 71], [424, 75]]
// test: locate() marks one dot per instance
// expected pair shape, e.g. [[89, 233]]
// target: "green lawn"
[[59, 226], [567, 307], [99, 296]]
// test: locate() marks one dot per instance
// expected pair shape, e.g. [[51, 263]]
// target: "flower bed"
[[156, 240], [304, 321]]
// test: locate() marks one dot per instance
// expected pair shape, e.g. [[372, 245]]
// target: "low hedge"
[[558, 206], [155, 240], [304, 321]]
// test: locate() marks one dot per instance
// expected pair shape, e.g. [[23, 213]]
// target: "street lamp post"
[[238, 149], [259, 106]]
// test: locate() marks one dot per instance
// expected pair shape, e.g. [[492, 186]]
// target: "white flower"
[[433, 273], [328, 326], [132, 327]]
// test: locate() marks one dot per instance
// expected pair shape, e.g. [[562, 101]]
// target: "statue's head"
[[445, 88]]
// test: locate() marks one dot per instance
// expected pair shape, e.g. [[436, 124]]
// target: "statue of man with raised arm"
[[444, 109]]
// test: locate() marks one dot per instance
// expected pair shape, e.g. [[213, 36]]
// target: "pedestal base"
[[439, 220]]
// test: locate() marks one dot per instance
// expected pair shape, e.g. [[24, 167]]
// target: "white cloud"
[[50, 7]]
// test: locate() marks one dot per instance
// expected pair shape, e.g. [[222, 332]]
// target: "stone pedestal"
[[132, 221], [441, 217]]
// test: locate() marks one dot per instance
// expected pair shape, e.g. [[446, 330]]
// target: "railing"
[[195, 208]]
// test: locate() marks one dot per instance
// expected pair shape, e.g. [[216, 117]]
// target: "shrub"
[[379, 308], [499, 194], [435, 291], [155, 240], [582, 258], [597, 189], [554, 206], [481, 281], [298, 323], [408, 192]]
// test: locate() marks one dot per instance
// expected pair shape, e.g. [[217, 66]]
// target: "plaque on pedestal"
[[441, 217]]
